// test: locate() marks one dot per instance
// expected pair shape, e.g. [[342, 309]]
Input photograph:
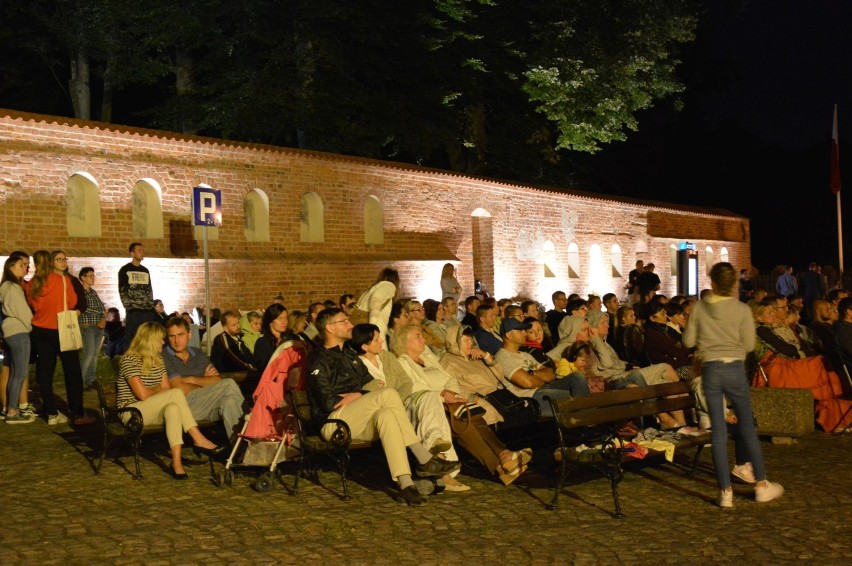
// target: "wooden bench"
[[594, 420], [127, 424], [313, 445]]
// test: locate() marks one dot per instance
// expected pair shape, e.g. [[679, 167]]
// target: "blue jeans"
[[720, 380], [18, 350], [572, 385], [91, 343]]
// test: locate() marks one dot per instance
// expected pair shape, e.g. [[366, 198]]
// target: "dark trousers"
[[133, 321], [45, 344]]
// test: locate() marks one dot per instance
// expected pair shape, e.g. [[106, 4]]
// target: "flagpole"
[[835, 188]]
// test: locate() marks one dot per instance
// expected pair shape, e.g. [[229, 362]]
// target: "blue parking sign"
[[206, 206]]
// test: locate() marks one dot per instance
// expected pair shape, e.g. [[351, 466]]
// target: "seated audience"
[[433, 389], [209, 396], [629, 341], [434, 327], [250, 326], [336, 390], [484, 333], [533, 344], [229, 353], [144, 384]]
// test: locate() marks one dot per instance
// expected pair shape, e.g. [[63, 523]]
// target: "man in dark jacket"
[[336, 379]]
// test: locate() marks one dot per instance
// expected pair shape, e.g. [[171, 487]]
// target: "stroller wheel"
[[229, 478], [220, 479], [263, 482]]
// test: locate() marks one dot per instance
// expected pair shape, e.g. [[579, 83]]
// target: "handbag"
[[359, 316], [68, 325]]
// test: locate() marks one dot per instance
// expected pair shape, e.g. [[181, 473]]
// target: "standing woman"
[[144, 384], [450, 286], [17, 324], [49, 291], [378, 300], [92, 324], [722, 329]]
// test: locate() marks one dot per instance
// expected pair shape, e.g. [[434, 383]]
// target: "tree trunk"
[[78, 87], [183, 82], [106, 103]]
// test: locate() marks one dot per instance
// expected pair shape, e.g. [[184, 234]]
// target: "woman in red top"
[[47, 293]]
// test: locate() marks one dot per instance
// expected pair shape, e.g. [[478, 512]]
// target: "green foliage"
[[491, 87]]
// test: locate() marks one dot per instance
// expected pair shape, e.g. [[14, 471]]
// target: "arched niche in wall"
[[198, 231], [600, 279], [483, 248], [311, 218], [723, 254], [83, 209], [673, 259], [147, 209], [549, 249], [573, 261], [617, 261], [256, 216], [374, 222], [709, 259]]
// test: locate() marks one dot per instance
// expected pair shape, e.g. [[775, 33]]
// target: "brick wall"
[[427, 220]]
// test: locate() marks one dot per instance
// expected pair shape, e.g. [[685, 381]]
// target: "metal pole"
[[207, 291]]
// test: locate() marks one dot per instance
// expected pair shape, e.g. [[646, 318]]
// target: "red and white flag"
[[835, 157]]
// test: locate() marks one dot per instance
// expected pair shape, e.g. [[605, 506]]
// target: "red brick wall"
[[427, 219]]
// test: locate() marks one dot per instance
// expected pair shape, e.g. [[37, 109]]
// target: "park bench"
[[313, 446], [594, 421], [126, 423]]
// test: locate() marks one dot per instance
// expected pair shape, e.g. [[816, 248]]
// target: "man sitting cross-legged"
[[209, 396], [336, 380]]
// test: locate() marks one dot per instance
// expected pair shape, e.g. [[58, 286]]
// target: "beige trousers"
[[379, 415], [169, 407]]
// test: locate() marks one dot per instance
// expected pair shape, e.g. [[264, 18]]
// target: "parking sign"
[[206, 206]]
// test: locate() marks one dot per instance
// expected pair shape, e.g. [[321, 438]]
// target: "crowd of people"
[[415, 374]]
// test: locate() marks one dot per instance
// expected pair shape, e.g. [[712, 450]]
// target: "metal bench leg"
[[137, 443], [563, 473]]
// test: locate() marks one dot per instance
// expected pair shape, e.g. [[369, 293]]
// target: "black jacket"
[[332, 372]]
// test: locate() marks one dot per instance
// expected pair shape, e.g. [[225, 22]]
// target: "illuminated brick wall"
[[429, 219]]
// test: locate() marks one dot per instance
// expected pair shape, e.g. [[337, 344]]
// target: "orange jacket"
[[49, 303]]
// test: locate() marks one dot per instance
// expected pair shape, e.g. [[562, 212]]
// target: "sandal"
[[508, 477], [519, 457]]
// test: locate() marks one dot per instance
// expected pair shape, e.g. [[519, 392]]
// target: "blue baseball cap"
[[513, 324]]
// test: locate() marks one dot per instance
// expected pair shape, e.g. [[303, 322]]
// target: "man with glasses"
[[92, 325], [136, 293], [554, 316], [336, 381]]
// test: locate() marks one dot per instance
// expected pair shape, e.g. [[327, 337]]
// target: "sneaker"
[[28, 410], [768, 492], [18, 418], [436, 467], [726, 499], [744, 472], [3, 414], [56, 419]]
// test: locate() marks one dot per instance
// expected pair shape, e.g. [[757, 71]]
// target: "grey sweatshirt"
[[17, 315], [722, 328]]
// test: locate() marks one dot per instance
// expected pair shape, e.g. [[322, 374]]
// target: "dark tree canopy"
[[489, 87]]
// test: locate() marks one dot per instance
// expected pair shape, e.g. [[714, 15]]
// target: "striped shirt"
[[131, 366]]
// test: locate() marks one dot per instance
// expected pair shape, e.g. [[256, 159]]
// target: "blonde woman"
[[144, 384], [450, 286]]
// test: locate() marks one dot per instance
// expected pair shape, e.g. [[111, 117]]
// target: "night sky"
[[755, 133]]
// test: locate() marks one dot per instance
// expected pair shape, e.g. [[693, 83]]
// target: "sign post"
[[206, 211]]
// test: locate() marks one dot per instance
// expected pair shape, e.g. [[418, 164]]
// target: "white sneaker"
[[769, 492], [744, 472], [28, 410], [56, 419], [726, 499]]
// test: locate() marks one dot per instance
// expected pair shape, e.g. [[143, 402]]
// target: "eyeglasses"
[[340, 321]]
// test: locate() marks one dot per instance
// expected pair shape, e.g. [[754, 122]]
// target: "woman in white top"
[[432, 388], [450, 286], [378, 299]]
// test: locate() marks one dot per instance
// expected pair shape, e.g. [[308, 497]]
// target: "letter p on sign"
[[206, 206]]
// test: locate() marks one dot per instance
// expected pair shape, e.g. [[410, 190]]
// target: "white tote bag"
[[68, 324]]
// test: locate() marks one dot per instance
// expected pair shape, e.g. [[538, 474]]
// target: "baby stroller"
[[269, 435]]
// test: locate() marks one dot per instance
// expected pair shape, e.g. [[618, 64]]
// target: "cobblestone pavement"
[[58, 512]]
